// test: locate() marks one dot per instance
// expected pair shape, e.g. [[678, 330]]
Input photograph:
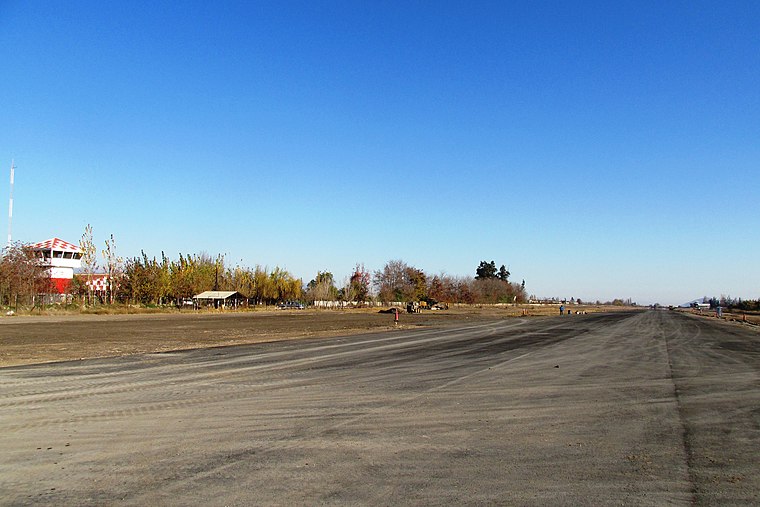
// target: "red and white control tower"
[[60, 258]]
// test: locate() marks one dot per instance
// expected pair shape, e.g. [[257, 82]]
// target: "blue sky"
[[599, 149]]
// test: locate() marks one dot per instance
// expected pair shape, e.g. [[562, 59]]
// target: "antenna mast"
[[10, 206]]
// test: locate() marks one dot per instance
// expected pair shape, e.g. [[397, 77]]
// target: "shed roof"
[[217, 294]]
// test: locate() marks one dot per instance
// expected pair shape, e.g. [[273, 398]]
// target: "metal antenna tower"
[[10, 206]]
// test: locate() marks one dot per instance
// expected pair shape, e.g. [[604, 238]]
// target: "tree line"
[[398, 281], [729, 303], [162, 281]]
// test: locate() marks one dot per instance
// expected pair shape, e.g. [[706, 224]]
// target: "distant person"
[[561, 309]]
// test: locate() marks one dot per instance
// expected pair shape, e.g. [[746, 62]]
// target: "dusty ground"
[[643, 408], [46, 338], [27, 340]]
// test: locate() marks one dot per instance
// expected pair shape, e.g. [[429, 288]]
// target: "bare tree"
[[400, 282], [391, 282], [322, 288], [113, 266], [89, 258], [22, 276]]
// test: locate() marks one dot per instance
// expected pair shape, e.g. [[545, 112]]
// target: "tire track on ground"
[[219, 373]]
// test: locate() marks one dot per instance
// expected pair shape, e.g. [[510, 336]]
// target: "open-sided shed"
[[219, 299]]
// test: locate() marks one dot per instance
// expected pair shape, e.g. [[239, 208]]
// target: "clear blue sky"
[[599, 149]]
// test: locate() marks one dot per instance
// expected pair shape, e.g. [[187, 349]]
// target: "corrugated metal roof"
[[216, 294], [56, 244]]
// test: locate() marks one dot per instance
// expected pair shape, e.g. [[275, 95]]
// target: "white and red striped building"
[[60, 258]]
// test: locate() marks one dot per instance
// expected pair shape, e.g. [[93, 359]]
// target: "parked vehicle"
[[290, 305]]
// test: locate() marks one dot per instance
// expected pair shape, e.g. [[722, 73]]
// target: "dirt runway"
[[645, 408]]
